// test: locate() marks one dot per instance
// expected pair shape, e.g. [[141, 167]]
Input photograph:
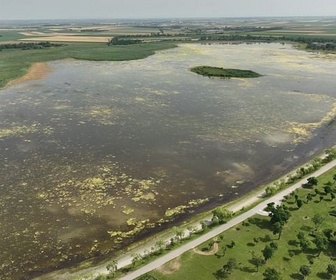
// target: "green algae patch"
[[170, 212], [224, 73], [20, 130]]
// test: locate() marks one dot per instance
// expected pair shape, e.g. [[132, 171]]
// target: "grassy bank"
[[249, 239], [15, 63], [210, 71]]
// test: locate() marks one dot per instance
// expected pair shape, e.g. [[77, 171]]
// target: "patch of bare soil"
[[170, 267], [36, 72], [213, 251]]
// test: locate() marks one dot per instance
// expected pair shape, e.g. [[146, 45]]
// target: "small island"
[[223, 73]]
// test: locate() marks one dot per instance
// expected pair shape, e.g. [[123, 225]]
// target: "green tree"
[[312, 181], [257, 260], [303, 241], [270, 190], [334, 177], [210, 244], [299, 203], [327, 189], [203, 225], [191, 230], [309, 197], [321, 242], [272, 274], [305, 270], [296, 197], [230, 265], [135, 258], [112, 267], [331, 270], [280, 213], [221, 214], [318, 220], [267, 252], [277, 229], [159, 245], [179, 233]]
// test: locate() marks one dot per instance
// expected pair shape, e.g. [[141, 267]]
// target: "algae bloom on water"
[[210, 71]]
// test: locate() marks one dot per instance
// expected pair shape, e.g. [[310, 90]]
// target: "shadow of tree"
[[306, 228], [294, 252], [266, 238], [323, 275], [293, 243], [247, 269], [286, 259], [296, 276], [261, 223], [293, 209]]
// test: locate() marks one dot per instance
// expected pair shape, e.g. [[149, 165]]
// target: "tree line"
[[117, 41], [29, 46], [314, 43]]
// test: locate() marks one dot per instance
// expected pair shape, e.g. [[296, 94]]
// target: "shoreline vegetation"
[[224, 73]]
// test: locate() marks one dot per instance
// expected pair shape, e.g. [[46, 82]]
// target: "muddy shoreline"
[[37, 71]]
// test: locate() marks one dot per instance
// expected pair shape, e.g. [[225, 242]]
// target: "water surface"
[[100, 152]]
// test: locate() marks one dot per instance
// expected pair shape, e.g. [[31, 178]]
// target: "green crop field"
[[10, 36]]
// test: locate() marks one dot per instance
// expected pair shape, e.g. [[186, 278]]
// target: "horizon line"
[[169, 18]]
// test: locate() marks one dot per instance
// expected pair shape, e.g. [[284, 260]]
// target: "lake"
[[98, 155]]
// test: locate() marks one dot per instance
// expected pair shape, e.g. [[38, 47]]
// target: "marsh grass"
[[15, 63]]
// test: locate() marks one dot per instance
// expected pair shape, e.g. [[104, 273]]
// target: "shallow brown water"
[[98, 153]]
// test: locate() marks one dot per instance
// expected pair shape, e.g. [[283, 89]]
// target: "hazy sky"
[[74, 9]]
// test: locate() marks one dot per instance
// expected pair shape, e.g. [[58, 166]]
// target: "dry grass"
[[170, 267], [213, 251]]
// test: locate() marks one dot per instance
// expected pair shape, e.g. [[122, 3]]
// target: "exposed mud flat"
[[98, 154]]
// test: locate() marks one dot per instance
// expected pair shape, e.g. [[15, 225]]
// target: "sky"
[[116, 9]]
